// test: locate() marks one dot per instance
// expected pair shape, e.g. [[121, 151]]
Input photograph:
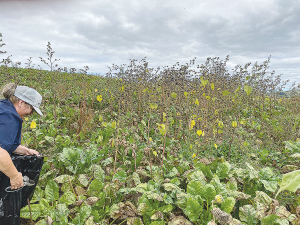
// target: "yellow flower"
[[155, 153], [96, 90], [219, 199], [150, 139], [185, 94], [199, 132], [26, 118], [194, 155], [33, 125], [216, 146], [99, 98], [234, 124], [197, 102], [193, 123]]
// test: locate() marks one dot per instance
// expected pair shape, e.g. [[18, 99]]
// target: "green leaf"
[[41, 222], [63, 178], [290, 181], [247, 214], [68, 198], [82, 178], [107, 161], [196, 175], [51, 191], [205, 169], [248, 89], [228, 204], [270, 220], [35, 209], [85, 211], [37, 195], [172, 173], [166, 208], [208, 193], [193, 209], [220, 187], [231, 184], [98, 172], [62, 212], [194, 187], [95, 188], [266, 173], [171, 187], [253, 174], [223, 169], [270, 185], [121, 176]]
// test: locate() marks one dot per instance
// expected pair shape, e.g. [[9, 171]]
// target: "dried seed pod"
[[91, 200], [221, 216]]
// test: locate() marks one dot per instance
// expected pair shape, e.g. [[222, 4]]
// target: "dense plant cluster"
[[190, 144]]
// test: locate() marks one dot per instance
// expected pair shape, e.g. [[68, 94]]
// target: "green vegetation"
[[124, 150]]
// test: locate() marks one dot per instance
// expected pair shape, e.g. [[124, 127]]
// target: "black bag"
[[12, 202]]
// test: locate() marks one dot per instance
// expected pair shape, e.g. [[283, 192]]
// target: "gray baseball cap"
[[30, 96]]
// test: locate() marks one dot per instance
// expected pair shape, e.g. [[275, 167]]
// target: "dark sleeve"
[[9, 128]]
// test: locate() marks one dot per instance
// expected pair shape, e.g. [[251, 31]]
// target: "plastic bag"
[[12, 202]]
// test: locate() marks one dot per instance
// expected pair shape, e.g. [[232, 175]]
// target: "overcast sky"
[[101, 33]]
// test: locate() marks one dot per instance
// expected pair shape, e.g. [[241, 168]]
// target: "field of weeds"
[[187, 144]]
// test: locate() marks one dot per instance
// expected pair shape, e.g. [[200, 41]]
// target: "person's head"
[[25, 99]]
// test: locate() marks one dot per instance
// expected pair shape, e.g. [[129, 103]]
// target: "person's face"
[[24, 109]]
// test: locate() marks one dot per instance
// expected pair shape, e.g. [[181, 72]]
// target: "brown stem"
[[29, 210]]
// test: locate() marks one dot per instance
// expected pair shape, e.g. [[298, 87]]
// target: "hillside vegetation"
[[153, 146]]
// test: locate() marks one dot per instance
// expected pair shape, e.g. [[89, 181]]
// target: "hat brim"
[[38, 111]]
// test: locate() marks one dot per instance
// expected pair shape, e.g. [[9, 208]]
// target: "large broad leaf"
[[266, 173], [121, 176], [35, 209], [171, 187], [205, 169], [62, 213], [194, 187], [172, 173], [196, 175], [220, 187], [247, 214], [51, 191], [83, 179], [228, 204], [38, 195], [231, 184], [223, 170], [208, 193], [63, 178], [290, 181], [95, 188], [98, 172], [270, 185], [193, 209], [85, 211], [68, 198], [253, 174]]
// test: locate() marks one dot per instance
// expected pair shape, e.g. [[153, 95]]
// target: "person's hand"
[[32, 152], [16, 182]]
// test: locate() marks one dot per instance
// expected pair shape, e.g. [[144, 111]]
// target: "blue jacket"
[[10, 126]]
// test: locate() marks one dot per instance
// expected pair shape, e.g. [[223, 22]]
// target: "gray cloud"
[[100, 33]]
